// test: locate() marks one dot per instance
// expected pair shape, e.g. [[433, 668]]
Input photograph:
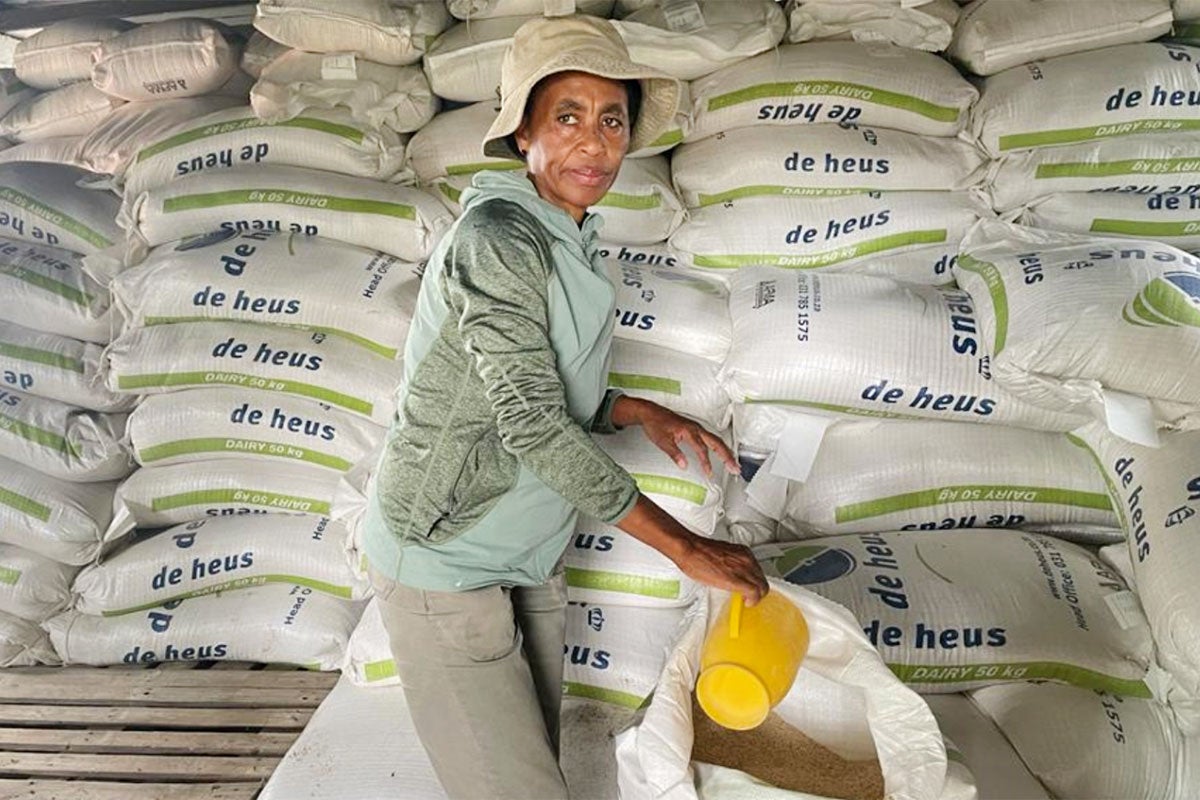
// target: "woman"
[[490, 458]]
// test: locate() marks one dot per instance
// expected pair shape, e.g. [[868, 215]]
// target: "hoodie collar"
[[512, 185]]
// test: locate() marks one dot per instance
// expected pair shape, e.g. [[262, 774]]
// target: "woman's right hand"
[[724, 565]]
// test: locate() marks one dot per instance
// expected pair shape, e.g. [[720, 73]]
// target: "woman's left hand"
[[671, 432]]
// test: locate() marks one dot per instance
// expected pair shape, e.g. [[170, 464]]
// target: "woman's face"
[[574, 136]]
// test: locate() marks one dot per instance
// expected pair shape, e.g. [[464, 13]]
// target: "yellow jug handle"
[[735, 615]]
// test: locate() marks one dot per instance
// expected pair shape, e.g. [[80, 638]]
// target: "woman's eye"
[[614, 122], [566, 119]]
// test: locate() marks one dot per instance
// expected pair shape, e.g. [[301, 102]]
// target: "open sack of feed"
[[1173, 219], [43, 204], [849, 727], [955, 610], [463, 64], [686, 384], [215, 555], [61, 520], [236, 423], [175, 58], [32, 586], [868, 346], [1074, 324], [47, 289], [670, 308], [278, 623], [72, 110], [486, 9], [61, 440], [61, 52], [377, 95], [995, 35], [842, 82], [386, 32], [53, 366], [329, 369], [402, 221], [910, 236], [1117, 91], [24, 643], [918, 24], [821, 160], [1095, 744], [606, 565]]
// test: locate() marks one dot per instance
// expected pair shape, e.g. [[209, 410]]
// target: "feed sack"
[[176, 58], [910, 236], [1095, 744], [867, 346], [328, 369], [12, 92], [1186, 10], [402, 221], [62, 440], [259, 51], [385, 32], [24, 643], [360, 295], [1037, 608], [61, 53], [463, 64], [1117, 91], [1172, 219], [745, 524], [32, 586], [47, 289], [993, 35], [452, 144], [376, 95], [920, 25], [58, 519], [678, 129], [641, 207], [486, 9], [41, 203], [606, 565], [641, 256], [217, 555], [369, 660], [684, 383], [840, 82], [729, 33], [615, 653], [328, 140], [1068, 319], [70, 111], [53, 366], [818, 161], [670, 308], [276, 624], [57, 150]]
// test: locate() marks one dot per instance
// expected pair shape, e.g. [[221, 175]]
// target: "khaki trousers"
[[482, 674]]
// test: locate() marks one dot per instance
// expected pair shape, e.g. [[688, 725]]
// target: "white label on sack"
[[339, 67], [1125, 609], [1130, 417], [798, 446], [683, 16]]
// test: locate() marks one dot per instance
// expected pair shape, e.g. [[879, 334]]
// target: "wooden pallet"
[[137, 733]]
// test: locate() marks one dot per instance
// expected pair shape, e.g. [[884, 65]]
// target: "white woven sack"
[[921, 25], [259, 51], [820, 160], [360, 295], [12, 93], [1038, 608], [866, 346], [909, 236], [452, 144], [463, 64], [1095, 744], [276, 624], [744, 523], [377, 30], [70, 111], [61, 520], [1068, 319], [48, 290], [65, 150], [328, 369], [53, 366], [696, 501], [1172, 219], [32, 586], [216, 555], [41, 203], [606, 565], [841, 82], [684, 383], [641, 205], [615, 653], [486, 9], [369, 660], [1117, 91], [62, 440], [1186, 10], [376, 95], [328, 140], [731, 32], [61, 53], [678, 129], [24, 643], [235, 423], [670, 308], [175, 58], [844, 698], [995, 35], [642, 256]]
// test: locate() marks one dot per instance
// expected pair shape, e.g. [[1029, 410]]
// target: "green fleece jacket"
[[490, 460]]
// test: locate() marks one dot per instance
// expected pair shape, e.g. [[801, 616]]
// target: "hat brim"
[[660, 99]]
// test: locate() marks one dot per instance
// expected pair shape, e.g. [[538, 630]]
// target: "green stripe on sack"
[[164, 379], [1138, 228], [612, 696], [9, 576], [234, 125], [45, 357], [504, 164], [1017, 141], [374, 671], [361, 341], [651, 383], [451, 193], [1021, 671], [57, 218], [671, 487], [850, 91], [59, 288], [668, 139], [288, 197], [239, 583], [257, 447], [995, 286], [961, 494], [1113, 493], [758, 190], [36, 435], [25, 505], [621, 583], [253, 497], [1107, 169], [631, 202], [857, 412], [825, 259]]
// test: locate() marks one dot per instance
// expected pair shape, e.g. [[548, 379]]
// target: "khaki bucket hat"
[[578, 43]]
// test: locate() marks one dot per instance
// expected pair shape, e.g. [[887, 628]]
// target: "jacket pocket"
[[488, 472]]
